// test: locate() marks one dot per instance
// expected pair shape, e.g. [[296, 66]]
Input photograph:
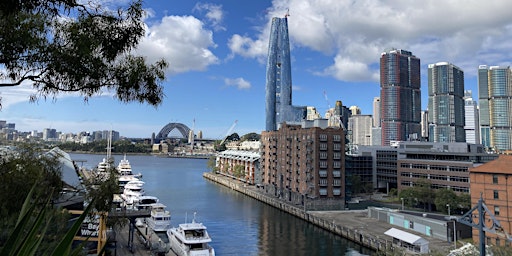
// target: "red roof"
[[502, 165]]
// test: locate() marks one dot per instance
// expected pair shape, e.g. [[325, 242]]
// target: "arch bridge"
[[168, 128]]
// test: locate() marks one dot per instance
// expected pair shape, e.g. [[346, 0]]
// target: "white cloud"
[[182, 41], [15, 94], [240, 83], [214, 14], [354, 33]]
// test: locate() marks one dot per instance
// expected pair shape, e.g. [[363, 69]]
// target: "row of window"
[[434, 177], [438, 186], [434, 167]]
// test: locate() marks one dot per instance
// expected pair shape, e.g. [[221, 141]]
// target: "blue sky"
[[217, 53]]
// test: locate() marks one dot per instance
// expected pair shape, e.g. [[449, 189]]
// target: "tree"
[[75, 46], [211, 164], [251, 137], [444, 197]]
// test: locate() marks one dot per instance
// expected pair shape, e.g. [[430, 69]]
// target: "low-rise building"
[[492, 182], [305, 164], [239, 164]]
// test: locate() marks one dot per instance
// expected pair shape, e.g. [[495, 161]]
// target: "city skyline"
[[217, 51]]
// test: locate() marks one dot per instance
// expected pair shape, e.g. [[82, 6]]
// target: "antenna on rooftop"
[[287, 13]]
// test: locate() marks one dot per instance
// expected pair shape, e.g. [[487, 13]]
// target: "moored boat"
[[190, 239], [133, 190], [160, 220]]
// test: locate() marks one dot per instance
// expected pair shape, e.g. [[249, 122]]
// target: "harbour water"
[[239, 225]]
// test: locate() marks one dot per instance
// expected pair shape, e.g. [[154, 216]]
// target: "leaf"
[[65, 244]]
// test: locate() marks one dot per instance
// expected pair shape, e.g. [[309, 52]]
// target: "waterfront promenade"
[[353, 225]]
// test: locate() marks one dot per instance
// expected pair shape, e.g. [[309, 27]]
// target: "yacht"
[[145, 202], [160, 220], [125, 168], [133, 190], [190, 239]]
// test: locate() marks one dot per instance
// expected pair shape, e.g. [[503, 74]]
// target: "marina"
[[237, 224]]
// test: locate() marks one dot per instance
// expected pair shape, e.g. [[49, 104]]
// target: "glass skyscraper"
[[400, 96], [495, 100], [279, 79], [446, 103]]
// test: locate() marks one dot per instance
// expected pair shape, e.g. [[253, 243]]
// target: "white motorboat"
[[160, 220], [133, 190], [122, 180], [145, 202], [125, 168], [190, 239]]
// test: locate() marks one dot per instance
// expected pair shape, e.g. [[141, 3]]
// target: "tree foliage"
[[76, 46]]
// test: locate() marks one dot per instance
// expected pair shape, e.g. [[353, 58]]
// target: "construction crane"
[[229, 131], [326, 99]]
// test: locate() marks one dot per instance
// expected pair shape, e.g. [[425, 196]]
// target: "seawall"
[[333, 221]]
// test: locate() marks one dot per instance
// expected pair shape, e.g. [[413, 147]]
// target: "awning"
[[406, 236]]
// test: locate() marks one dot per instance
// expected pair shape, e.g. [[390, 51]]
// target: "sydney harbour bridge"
[[168, 128]]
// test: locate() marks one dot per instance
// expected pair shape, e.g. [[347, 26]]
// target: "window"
[[496, 194], [496, 210], [494, 179]]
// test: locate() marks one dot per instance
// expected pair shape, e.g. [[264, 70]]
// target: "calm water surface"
[[239, 225]]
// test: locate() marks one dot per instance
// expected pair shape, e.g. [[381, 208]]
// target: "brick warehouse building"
[[305, 164], [493, 180]]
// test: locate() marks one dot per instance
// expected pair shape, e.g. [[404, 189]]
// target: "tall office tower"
[[446, 103], [495, 100], [472, 124], [376, 112], [279, 79], [360, 127], [355, 110], [424, 125], [400, 96]]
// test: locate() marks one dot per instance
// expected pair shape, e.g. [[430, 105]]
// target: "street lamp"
[[454, 231], [401, 198]]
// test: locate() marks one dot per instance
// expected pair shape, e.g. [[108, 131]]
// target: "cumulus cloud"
[[240, 83], [214, 14], [182, 41], [355, 33]]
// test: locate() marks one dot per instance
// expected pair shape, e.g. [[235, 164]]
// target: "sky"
[[217, 53]]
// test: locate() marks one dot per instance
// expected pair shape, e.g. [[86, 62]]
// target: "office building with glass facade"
[[446, 103], [278, 97], [495, 100], [400, 96]]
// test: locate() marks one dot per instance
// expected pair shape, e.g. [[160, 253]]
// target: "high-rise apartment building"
[[400, 96], [279, 79], [472, 124], [376, 112], [424, 125], [446, 103], [495, 100], [360, 128]]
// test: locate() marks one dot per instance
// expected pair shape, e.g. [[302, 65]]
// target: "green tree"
[[357, 185], [211, 164], [239, 171], [251, 137], [464, 202], [444, 197], [409, 196], [425, 193], [74, 46]]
